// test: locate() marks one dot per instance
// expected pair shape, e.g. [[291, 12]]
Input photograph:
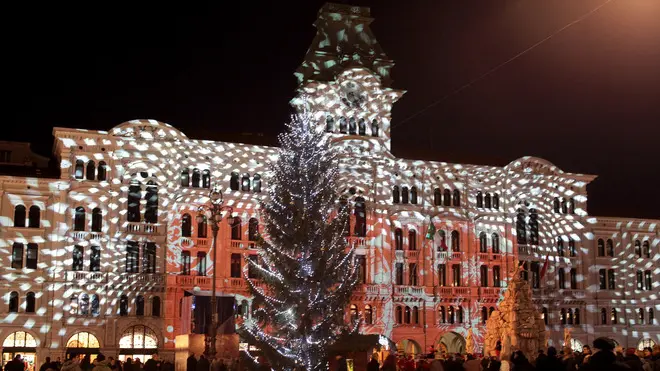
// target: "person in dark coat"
[[191, 363], [520, 362], [203, 364], [15, 364], [373, 365], [152, 364], [632, 360], [604, 357], [549, 362], [341, 364]]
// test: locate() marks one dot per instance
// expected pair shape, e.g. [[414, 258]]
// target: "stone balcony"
[[83, 277], [241, 244], [86, 236], [444, 256], [359, 242], [409, 290], [456, 292], [140, 228], [143, 279], [490, 292]]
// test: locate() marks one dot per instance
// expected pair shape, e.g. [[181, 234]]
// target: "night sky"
[[587, 99]]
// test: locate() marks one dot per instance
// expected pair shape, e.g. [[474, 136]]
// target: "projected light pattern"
[[111, 248]]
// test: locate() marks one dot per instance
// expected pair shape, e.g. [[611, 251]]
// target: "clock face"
[[352, 94]]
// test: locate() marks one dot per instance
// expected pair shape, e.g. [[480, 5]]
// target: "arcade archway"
[[20, 342], [408, 347], [138, 342], [452, 342], [83, 343]]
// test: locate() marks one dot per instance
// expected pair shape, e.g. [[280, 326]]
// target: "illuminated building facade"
[[105, 257]]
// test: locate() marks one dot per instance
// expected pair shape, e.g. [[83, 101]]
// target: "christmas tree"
[[305, 273]]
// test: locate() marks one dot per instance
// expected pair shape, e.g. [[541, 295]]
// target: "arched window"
[[398, 239], [442, 315], [234, 185], [139, 305], [91, 170], [19, 216], [487, 204], [484, 275], [34, 218], [442, 237], [564, 206], [569, 316], [374, 128], [614, 316], [79, 219], [407, 315], [329, 124], [399, 315], [136, 339], [544, 314], [562, 316], [95, 305], [480, 199], [437, 197], [97, 220], [484, 315], [459, 314], [79, 169], [533, 227], [202, 226], [206, 178], [638, 248], [560, 246], [496, 276], [457, 197], [451, 316], [521, 228], [352, 126], [123, 305], [645, 246], [555, 204], [102, 171], [186, 225], [413, 195], [571, 205], [253, 229], [651, 316], [368, 315], [455, 241], [404, 195], [571, 247], [343, 125], [601, 247], [396, 195], [362, 127], [151, 196], [196, 178], [640, 316], [496, 243], [245, 182], [483, 242], [30, 302], [603, 316], [83, 305], [412, 239], [447, 197], [354, 313], [415, 316], [610, 247], [562, 278], [155, 306], [360, 213], [496, 201], [256, 183], [236, 231], [134, 196], [13, 302]]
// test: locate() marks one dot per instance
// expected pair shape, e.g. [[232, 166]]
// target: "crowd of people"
[[193, 363], [604, 357], [84, 362]]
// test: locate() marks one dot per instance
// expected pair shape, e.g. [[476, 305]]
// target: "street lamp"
[[214, 212]]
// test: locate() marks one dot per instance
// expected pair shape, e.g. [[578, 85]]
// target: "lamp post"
[[214, 212]]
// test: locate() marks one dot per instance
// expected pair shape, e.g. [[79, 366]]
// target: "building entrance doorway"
[[20, 342], [452, 342]]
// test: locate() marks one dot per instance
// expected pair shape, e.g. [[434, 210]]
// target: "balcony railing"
[[185, 280], [368, 289], [84, 235], [141, 228], [412, 254], [490, 291], [409, 290], [358, 242], [239, 244], [454, 292], [84, 277], [189, 242]]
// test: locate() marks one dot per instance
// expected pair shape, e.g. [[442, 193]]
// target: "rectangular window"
[[78, 256], [235, 268], [640, 280], [573, 274], [536, 275], [149, 257], [185, 263], [524, 273], [399, 273], [201, 264], [456, 275], [32, 256], [611, 281], [361, 261], [647, 280], [252, 269], [412, 274], [17, 255], [484, 276], [602, 279], [496, 276], [132, 257], [442, 275], [95, 259]]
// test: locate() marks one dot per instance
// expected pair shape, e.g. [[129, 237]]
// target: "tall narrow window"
[[413, 195], [640, 280], [362, 127], [202, 227], [374, 128], [186, 225], [573, 277], [484, 275], [455, 241], [569, 316], [562, 278], [521, 228], [576, 316], [329, 124], [457, 197], [95, 259], [601, 247], [155, 306], [83, 308], [560, 247], [536, 275], [102, 171], [459, 314], [253, 229], [79, 219], [562, 316], [79, 169], [13, 302], [253, 261], [614, 317], [442, 275], [442, 315], [352, 127], [437, 197], [404, 195], [19, 216], [544, 314], [234, 184], [91, 170], [640, 316], [149, 258], [343, 125], [132, 257], [564, 206], [123, 305], [571, 205], [196, 178], [201, 263], [398, 239], [442, 237], [185, 263], [396, 195], [638, 249], [480, 199], [245, 183], [456, 275], [206, 178], [34, 217], [602, 279], [406, 317], [399, 315], [483, 242], [611, 281], [524, 273], [533, 227], [645, 246], [412, 239], [648, 282], [496, 243], [235, 266], [361, 261], [496, 276], [447, 197], [496, 201], [134, 197], [256, 183], [151, 196], [32, 255], [412, 274], [603, 316], [97, 220], [399, 273], [236, 231], [368, 315], [360, 217], [555, 206], [484, 315], [139, 305], [30, 302], [572, 251], [487, 204], [78, 258], [17, 255], [651, 316]]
